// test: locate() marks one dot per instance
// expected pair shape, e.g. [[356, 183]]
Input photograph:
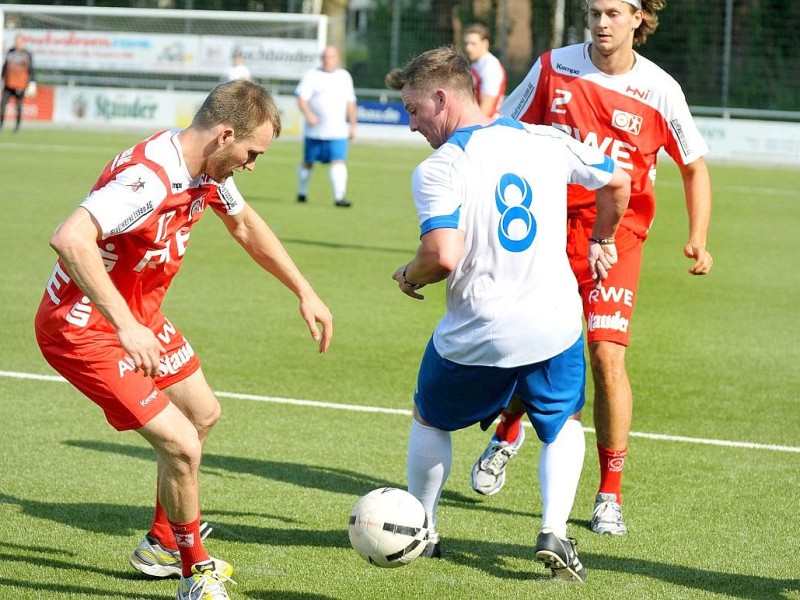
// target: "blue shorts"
[[451, 396], [324, 151]]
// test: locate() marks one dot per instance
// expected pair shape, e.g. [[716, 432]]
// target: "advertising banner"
[[38, 107], [114, 106], [97, 52]]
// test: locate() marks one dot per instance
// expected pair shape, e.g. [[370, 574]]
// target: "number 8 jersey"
[[512, 300], [146, 203]]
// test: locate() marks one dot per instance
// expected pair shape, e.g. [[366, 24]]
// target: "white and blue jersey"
[[512, 300]]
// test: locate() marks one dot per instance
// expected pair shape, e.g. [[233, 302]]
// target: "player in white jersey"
[[327, 99], [611, 97], [491, 204], [488, 72], [100, 324]]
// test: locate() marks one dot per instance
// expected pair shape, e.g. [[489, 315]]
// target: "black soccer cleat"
[[343, 203], [301, 198], [434, 547], [559, 555]]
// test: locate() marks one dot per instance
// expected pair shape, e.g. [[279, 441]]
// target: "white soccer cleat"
[[207, 581], [607, 516], [152, 559], [489, 472]]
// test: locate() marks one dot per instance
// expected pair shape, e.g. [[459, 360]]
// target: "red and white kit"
[[146, 203], [630, 117]]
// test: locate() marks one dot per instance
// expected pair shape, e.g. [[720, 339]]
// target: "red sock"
[[161, 530], [611, 464], [187, 536], [508, 429]]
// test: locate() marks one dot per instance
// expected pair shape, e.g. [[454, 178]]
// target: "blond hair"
[[243, 105], [649, 23], [440, 67]]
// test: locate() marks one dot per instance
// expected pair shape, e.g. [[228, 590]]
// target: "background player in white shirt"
[[238, 70], [100, 324], [327, 99], [488, 72], [491, 203], [611, 97]]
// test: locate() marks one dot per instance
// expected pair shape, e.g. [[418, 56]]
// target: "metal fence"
[[732, 57]]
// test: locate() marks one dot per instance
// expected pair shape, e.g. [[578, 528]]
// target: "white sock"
[[303, 177], [430, 455], [338, 175], [560, 465]]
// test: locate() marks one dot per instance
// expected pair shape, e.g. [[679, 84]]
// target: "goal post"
[[161, 48]]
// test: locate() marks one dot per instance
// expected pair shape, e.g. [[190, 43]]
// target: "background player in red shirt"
[[100, 324], [607, 95], [17, 74]]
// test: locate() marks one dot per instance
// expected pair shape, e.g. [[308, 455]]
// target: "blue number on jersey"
[[509, 214]]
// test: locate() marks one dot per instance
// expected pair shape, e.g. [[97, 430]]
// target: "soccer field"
[[712, 483]]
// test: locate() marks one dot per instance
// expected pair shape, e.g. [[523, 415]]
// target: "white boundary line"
[[406, 412]]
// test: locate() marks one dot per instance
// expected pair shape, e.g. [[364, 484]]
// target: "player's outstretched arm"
[[697, 188], [75, 241], [255, 236]]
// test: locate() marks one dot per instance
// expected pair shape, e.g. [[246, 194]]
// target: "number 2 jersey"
[[146, 203], [630, 117]]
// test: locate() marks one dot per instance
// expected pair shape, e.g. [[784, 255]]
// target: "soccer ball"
[[388, 527]]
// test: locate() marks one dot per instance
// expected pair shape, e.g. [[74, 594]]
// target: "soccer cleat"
[[152, 559], [489, 472], [301, 198], [434, 547], [607, 515], [207, 581], [559, 555], [344, 203]]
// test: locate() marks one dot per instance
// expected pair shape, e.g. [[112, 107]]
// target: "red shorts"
[[99, 367], [607, 311]]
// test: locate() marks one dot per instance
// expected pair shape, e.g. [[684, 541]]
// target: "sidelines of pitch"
[[406, 412]]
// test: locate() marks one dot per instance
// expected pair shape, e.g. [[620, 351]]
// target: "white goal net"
[[161, 48]]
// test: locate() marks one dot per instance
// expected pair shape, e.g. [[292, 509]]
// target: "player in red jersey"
[[607, 95], [100, 324], [488, 72]]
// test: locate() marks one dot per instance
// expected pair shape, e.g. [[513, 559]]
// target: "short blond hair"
[[440, 67], [243, 105]]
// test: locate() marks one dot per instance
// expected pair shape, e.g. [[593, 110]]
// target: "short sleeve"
[[126, 201]]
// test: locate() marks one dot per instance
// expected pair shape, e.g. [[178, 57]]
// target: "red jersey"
[[630, 117], [146, 204]]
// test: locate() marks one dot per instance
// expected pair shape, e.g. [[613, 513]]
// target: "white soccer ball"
[[388, 527]]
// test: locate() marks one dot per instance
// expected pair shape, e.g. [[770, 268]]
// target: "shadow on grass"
[[340, 481], [32, 589], [748, 587], [74, 591], [285, 595], [496, 559]]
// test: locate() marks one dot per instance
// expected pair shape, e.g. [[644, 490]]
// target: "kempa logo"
[[627, 121], [566, 69], [149, 399]]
